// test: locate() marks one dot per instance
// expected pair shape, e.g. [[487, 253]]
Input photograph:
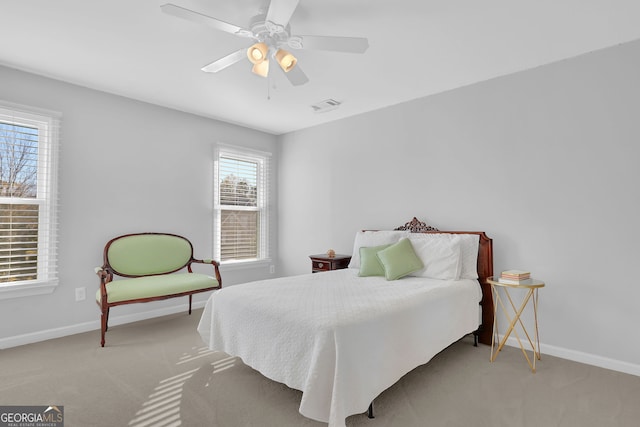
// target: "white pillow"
[[469, 244], [373, 238], [441, 256]]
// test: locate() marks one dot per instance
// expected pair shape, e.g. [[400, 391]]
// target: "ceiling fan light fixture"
[[257, 53], [269, 30], [286, 60], [261, 68]]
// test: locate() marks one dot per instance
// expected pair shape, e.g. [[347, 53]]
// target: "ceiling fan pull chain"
[[268, 87]]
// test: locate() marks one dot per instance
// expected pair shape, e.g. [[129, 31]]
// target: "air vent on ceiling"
[[326, 105]]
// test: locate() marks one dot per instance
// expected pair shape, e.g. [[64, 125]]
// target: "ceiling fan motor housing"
[[273, 35]]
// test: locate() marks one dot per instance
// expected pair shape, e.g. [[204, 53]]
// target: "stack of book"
[[515, 277]]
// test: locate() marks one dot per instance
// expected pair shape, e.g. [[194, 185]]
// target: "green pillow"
[[399, 260], [369, 263]]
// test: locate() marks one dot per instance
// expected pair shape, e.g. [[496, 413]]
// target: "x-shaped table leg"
[[532, 294]]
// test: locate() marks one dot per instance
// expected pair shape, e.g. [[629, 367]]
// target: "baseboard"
[[586, 358], [48, 334]]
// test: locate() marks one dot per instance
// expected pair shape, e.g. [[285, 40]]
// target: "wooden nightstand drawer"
[[325, 263], [320, 265]]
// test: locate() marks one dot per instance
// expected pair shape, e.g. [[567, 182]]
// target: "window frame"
[[263, 203], [48, 124]]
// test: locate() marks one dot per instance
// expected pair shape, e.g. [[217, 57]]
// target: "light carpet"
[[158, 373]]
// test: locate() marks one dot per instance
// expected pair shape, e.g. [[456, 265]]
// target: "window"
[[241, 204], [28, 172]]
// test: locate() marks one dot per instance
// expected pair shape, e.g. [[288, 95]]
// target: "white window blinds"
[[28, 174], [241, 204]]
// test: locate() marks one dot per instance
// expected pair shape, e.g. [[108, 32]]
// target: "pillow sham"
[[373, 238], [441, 256], [399, 260], [469, 244], [369, 263]]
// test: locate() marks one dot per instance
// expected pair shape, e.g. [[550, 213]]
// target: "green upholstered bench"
[[151, 267]]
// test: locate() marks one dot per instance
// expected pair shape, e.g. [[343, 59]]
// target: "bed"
[[343, 337]]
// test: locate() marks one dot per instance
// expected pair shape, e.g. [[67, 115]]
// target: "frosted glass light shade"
[[257, 53], [262, 68], [286, 60]]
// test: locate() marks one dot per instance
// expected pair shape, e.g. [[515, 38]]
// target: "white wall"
[[545, 161], [125, 166]]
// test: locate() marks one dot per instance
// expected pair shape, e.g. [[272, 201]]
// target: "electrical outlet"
[[272, 269], [81, 294]]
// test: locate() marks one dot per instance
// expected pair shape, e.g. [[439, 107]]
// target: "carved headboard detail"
[[416, 226], [485, 270]]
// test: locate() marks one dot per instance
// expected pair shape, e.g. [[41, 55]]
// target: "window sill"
[[9, 291], [241, 265]]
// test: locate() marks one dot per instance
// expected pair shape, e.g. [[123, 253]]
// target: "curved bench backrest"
[[146, 254]]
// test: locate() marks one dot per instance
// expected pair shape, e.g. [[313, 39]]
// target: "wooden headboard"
[[485, 270]]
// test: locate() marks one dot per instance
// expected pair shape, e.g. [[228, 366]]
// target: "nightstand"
[[323, 262], [531, 294]]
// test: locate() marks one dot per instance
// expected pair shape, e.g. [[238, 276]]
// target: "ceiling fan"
[[272, 34]]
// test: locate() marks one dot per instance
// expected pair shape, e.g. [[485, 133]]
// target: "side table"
[[323, 262], [531, 287]]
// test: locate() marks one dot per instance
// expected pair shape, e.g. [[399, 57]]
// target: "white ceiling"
[[417, 48]]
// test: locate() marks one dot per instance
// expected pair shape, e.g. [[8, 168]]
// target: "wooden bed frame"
[[485, 270]]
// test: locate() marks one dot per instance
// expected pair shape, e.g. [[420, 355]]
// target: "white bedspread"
[[339, 338]]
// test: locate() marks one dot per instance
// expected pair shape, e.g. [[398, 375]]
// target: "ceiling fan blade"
[[192, 16], [280, 11], [336, 44], [225, 61], [296, 76]]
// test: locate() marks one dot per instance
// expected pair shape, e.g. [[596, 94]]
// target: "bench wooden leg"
[[190, 297], [103, 323]]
